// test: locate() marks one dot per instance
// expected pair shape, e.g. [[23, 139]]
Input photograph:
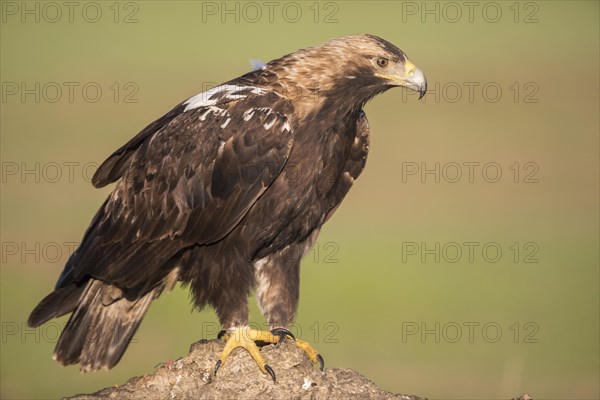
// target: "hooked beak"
[[409, 76]]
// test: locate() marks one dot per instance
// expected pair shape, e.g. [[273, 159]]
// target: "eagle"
[[225, 193]]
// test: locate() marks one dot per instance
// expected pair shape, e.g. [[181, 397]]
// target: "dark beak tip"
[[422, 90]]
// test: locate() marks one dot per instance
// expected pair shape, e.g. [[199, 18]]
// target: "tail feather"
[[101, 326], [56, 304]]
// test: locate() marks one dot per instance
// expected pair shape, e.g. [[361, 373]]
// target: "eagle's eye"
[[382, 62]]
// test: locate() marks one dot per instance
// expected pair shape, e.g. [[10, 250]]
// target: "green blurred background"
[[366, 298]]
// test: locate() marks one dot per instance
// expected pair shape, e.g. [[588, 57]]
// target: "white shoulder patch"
[[286, 127], [269, 124], [220, 94], [219, 112]]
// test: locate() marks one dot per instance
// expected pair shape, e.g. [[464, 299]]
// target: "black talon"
[[321, 362], [217, 366], [282, 333], [271, 372], [221, 334]]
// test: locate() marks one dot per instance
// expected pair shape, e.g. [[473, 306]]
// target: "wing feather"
[[189, 182]]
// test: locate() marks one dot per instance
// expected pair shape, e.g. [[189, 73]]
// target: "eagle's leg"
[[231, 304], [278, 290]]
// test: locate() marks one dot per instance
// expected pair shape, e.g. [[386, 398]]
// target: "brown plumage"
[[225, 192]]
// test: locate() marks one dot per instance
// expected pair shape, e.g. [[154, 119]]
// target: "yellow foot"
[[311, 353], [247, 338]]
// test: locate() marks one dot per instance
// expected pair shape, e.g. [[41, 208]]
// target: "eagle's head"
[[354, 67]]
